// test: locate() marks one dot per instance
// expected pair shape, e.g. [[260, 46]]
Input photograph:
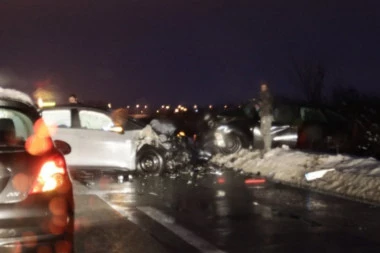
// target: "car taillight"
[[51, 175], [221, 180], [255, 181]]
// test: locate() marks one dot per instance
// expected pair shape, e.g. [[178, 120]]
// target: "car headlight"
[[181, 134]]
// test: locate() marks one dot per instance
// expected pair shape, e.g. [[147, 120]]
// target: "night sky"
[[179, 51]]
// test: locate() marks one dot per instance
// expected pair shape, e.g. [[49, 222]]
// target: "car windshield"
[[15, 127]]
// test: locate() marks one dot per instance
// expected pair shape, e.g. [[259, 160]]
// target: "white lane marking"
[[101, 192], [123, 211], [188, 236]]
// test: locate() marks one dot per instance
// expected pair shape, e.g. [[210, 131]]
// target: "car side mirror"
[[63, 147], [117, 129]]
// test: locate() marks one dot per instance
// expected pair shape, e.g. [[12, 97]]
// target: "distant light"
[[167, 107], [128, 106], [210, 106], [225, 107], [176, 110], [158, 111], [185, 109], [195, 106], [145, 106], [137, 106], [196, 110], [109, 105], [162, 106], [48, 104], [40, 102], [142, 112]]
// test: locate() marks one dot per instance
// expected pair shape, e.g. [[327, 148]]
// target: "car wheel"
[[150, 161], [233, 144]]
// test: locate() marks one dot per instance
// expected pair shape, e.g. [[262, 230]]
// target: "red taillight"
[[51, 175], [221, 180], [255, 181]]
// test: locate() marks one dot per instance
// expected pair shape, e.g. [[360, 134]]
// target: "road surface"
[[183, 214]]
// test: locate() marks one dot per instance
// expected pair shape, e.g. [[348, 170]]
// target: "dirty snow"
[[15, 95], [352, 177]]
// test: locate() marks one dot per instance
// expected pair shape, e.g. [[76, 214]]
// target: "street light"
[[137, 106]]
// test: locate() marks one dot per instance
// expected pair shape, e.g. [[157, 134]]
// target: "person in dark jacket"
[[266, 117]]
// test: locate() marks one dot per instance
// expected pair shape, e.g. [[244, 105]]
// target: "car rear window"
[[15, 127]]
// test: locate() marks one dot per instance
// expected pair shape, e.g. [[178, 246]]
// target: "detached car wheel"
[[233, 144], [150, 161]]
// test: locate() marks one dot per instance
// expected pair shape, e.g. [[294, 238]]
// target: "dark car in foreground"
[[36, 197]]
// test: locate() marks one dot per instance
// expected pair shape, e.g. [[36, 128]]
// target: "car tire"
[[234, 144], [150, 161]]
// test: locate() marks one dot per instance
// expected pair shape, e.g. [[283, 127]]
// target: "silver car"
[[95, 141]]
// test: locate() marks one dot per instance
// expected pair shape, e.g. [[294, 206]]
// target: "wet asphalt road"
[[189, 214]]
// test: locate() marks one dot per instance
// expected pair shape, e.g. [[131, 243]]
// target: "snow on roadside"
[[353, 177]]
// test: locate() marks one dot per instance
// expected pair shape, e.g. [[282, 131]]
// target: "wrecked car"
[[101, 141], [168, 149], [96, 142], [295, 124]]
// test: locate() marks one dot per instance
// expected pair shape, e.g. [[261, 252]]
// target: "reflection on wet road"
[[186, 214]]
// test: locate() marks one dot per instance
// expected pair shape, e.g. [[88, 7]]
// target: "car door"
[[101, 147], [60, 123]]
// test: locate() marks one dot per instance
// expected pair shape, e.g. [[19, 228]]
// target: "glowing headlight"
[[181, 134]]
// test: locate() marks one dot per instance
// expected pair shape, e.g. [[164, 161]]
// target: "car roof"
[[17, 100], [15, 95], [75, 106]]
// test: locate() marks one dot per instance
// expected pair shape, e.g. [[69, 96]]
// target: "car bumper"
[[40, 220]]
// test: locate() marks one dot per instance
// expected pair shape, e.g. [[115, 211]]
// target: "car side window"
[[94, 120], [58, 118], [312, 115], [284, 114], [129, 125]]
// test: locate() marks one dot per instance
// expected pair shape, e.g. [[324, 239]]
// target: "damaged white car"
[[98, 144]]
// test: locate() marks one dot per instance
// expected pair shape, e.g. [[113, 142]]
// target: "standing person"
[[73, 99], [266, 117]]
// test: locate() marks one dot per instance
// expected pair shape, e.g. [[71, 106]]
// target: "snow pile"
[[15, 95], [348, 176]]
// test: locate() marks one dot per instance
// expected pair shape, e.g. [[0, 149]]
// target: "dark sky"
[[177, 51]]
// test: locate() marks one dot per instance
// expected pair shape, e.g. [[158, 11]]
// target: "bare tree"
[[309, 79]]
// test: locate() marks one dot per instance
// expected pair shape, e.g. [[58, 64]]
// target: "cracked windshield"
[[167, 126]]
